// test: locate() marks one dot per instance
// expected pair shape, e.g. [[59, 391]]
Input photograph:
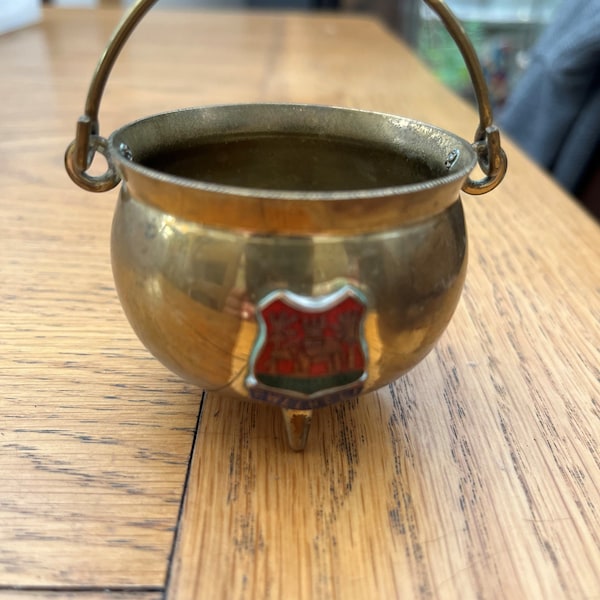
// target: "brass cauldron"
[[297, 255]]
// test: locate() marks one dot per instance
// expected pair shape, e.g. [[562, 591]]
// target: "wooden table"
[[475, 476]]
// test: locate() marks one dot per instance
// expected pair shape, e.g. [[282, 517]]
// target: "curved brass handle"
[[492, 159], [87, 142], [81, 150]]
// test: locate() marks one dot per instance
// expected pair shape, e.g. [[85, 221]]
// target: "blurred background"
[[541, 59], [503, 31]]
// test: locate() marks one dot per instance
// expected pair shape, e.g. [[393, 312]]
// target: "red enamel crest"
[[309, 351]]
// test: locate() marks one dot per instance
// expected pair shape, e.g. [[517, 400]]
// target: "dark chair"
[[554, 110]]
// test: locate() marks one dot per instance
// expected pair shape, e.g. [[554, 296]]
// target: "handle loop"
[[81, 151]]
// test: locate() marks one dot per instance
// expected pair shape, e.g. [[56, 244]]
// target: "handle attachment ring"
[[78, 154]]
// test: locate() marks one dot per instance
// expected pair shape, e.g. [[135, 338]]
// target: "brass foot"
[[297, 426]]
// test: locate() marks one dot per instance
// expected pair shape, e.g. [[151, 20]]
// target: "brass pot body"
[[292, 254]]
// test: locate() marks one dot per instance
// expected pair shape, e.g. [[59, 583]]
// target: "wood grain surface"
[[477, 475]]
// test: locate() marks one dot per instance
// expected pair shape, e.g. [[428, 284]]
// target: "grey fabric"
[[554, 111]]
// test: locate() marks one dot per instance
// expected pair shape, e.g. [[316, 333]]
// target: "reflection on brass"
[[294, 254]]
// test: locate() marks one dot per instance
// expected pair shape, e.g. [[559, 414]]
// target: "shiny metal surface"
[[223, 206], [189, 290], [192, 259]]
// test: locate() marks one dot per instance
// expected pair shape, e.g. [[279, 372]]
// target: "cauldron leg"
[[297, 426]]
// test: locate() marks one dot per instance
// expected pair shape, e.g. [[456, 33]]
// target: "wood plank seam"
[[179, 521]]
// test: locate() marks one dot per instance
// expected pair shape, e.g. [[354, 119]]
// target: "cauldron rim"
[[124, 145]]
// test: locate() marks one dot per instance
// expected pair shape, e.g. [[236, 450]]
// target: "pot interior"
[[294, 162]]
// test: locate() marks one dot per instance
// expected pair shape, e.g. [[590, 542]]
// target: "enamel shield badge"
[[309, 351]]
